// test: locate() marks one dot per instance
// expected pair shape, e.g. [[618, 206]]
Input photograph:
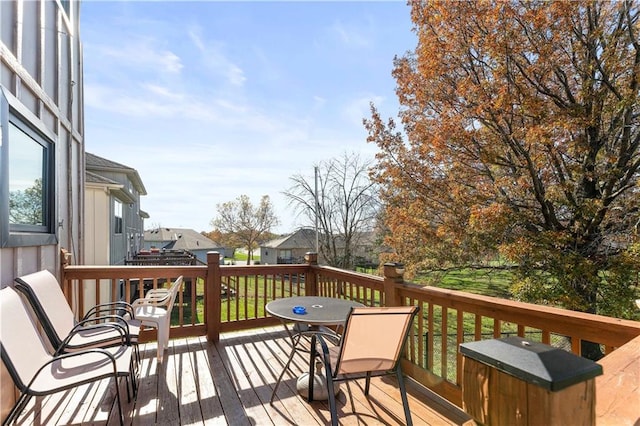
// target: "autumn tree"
[[520, 136], [240, 221], [347, 204]]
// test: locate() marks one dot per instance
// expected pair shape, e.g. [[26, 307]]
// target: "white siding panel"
[[7, 13], [30, 38], [50, 54], [96, 227]]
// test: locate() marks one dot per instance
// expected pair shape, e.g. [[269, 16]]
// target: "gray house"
[[114, 221], [181, 239], [292, 248], [289, 248]]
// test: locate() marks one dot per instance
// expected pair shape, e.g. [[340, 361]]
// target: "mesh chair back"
[[23, 351], [47, 299], [373, 339]]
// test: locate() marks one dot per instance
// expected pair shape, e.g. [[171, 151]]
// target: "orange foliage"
[[519, 119]]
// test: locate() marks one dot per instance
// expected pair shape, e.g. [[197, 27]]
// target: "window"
[[117, 216], [286, 254], [27, 178]]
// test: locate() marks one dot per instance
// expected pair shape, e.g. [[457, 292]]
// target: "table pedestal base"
[[320, 392]]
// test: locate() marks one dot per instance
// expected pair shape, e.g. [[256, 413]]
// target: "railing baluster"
[[431, 354]]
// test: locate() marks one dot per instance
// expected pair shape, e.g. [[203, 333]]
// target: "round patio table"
[[318, 310], [318, 313]]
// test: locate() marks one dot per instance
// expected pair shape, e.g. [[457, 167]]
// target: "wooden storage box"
[[514, 381]]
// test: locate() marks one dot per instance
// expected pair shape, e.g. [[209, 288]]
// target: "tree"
[[347, 205], [25, 207], [248, 225], [521, 137]]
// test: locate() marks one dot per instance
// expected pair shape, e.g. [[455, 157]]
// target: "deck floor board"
[[230, 383]]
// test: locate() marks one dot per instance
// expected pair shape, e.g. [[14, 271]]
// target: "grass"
[[486, 281], [489, 282], [241, 257]]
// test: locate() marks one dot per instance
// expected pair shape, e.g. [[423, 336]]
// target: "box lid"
[[533, 362]]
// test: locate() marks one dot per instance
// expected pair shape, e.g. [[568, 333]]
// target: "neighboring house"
[[288, 249], [181, 239], [114, 222], [292, 248], [367, 250], [42, 136]]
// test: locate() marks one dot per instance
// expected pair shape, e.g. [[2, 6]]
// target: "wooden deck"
[[618, 389], [230, 383]]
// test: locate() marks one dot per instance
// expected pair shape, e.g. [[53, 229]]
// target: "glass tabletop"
[[317, 310]]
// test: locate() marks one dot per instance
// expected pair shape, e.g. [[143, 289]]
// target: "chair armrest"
[[121, 330], [154, 299], [158, 296], [108, 356]]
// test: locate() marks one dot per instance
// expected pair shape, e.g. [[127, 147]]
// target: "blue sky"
[[210, 100]]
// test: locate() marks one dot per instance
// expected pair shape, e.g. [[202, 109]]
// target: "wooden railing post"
[[65, 260], [310, 280], [393, 274], [213, 294]]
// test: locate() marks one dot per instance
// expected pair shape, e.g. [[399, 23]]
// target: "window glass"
[[117, 213], [26, 175]]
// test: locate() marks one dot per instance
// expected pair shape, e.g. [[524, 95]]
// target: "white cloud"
[[352, 35], [140, 54], [163, 91], [357, 109], [212, 55]]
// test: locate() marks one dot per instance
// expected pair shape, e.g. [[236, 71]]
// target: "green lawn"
[[488, 281], [241, 257]]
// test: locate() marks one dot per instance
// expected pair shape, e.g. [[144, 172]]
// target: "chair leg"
[[119, 402], [134, 380], [163, 339], [332, 397], [159, 348], [136, 351], [403, 394], [17, 409], [367, 383]]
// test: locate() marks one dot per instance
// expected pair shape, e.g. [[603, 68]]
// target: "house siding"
[[41, 67], [41, 79], [97, 241]]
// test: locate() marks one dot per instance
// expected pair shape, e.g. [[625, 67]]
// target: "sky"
[[210, 100]]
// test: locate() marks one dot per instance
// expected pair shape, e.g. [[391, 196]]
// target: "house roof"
[[180, 238], [302, 238], [96, 178], [97, 164], [115, 188]]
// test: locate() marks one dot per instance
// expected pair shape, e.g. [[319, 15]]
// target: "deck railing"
[[218, 298]]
